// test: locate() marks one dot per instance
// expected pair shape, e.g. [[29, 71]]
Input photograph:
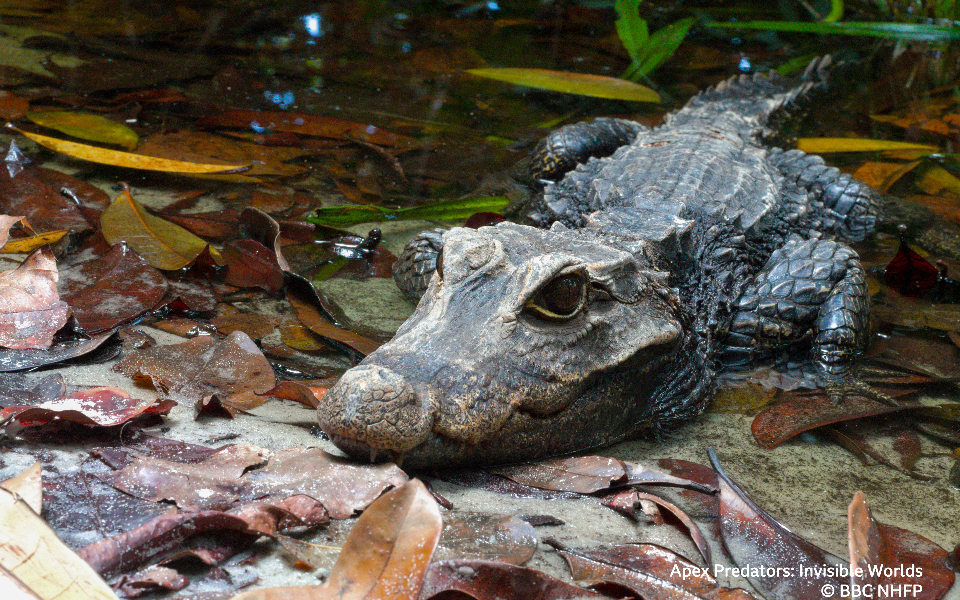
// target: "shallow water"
[[399, 68]]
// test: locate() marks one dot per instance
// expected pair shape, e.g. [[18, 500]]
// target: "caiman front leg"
[[554, 156], [808, 290]]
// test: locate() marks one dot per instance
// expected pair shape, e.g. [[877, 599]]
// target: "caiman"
[[661, 254]]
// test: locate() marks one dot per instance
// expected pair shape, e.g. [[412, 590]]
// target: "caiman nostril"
[[376, 407]]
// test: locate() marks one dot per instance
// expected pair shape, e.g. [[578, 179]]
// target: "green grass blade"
[[572, 83], [631, 29], [902, 31], [450, 210]]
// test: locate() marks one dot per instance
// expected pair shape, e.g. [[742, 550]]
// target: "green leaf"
[[87, 127], [836, 12], [902, 31], [662, 44], [631, 29], [597, 86], [450, 210]]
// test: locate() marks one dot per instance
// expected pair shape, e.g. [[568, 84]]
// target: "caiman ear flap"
[[626, 282]]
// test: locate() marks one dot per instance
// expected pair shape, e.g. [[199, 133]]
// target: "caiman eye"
[[560, 300]]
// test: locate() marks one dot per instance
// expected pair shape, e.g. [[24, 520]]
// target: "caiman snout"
[[372, 407]]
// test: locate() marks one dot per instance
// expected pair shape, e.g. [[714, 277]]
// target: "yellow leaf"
[[881, 175], [31, 552], [937, 179], [597, 86], [126, 159], [161, 243], [824, 145], [87, 127], [29, 244]]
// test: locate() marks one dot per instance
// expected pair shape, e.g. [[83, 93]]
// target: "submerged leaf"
[[87, 127], [100, 406], [116, 158], [161, 243], [826, 145], [111, 290], [450, 210], [598, 86], [791, 566]]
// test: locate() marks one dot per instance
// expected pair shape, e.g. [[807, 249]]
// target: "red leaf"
[[909, 273]]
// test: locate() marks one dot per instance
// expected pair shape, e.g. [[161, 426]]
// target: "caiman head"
[[527, 344]]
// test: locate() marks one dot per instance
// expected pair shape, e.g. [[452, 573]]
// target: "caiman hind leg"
[[851, 209], [808, 290]]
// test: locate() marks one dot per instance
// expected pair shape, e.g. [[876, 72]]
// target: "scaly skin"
[[667, 248]]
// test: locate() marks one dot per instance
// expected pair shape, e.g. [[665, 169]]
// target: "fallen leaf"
[[7, 222], [450, 210], [31, 311], [12, 107], [255, 325], [486, 537], [233, 369], [126, 159], [598, 86], [306, 124], [826, 145], [32, 553], [389, 547], [341, 486], [581, 474], [292, 390], [251, 264], [31, 243], [202, 147], [19, 360], [648, 570], [909, 273], [799, 412], [28, 486], [99, 406], [161, 243], [900, 550], [882, 175], [25, 190], [337, 337], [87, 126], [154, 578], [864, 544], [776, 562], [491, 580], [111, 290], [155, 539]]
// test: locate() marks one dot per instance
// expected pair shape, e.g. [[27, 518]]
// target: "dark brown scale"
[[565, 148]]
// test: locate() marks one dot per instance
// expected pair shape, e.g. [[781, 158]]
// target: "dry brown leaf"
[[28, 486], [233, 369], [30, 550], [31, 311]]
